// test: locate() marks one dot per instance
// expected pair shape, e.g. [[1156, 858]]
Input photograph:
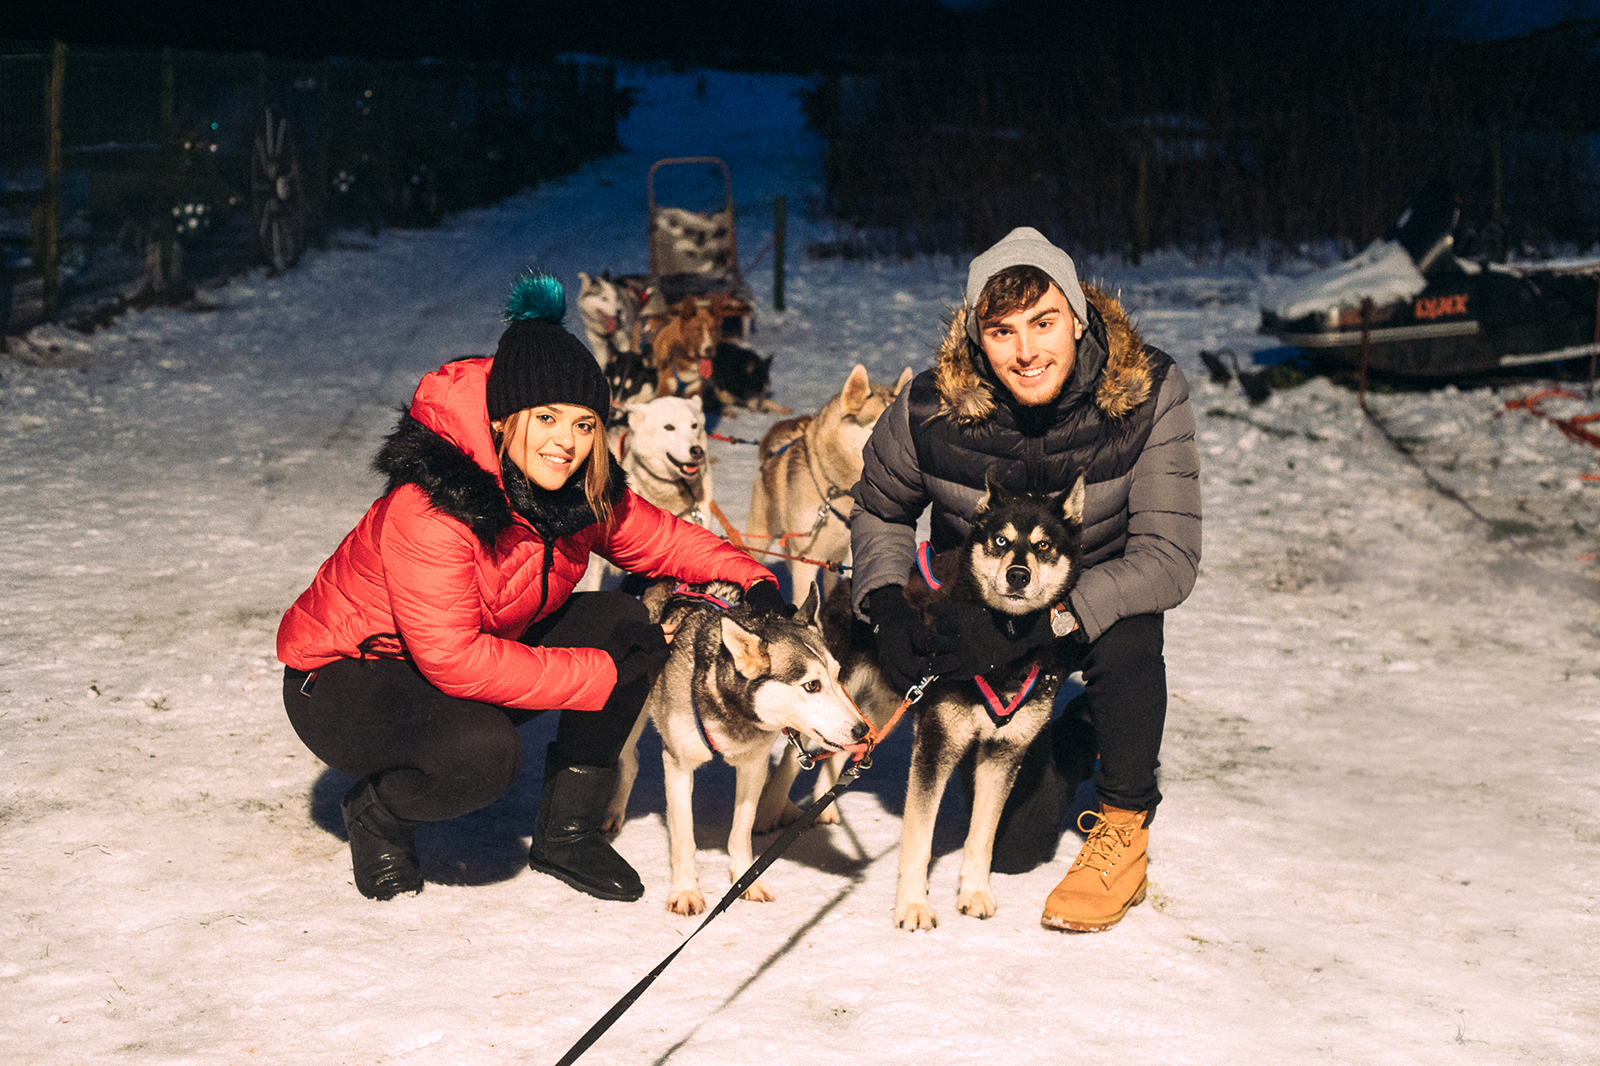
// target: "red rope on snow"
[[1575, 428]]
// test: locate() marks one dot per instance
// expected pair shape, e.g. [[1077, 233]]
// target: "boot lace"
[[1107, 841]]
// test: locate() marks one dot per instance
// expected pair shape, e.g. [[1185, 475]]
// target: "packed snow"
[[1381, 835]]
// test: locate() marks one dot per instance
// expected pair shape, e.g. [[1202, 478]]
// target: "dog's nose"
[[696, 452], [1017, 577], [859, 731]]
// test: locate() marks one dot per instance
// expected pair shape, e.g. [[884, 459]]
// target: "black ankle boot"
[[567, 842], [383, 848]]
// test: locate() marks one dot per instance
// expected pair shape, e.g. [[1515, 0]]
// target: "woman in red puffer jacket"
[[447, 617]]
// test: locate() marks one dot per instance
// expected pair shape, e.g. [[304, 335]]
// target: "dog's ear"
[[856, 389], [694, 401], [994, 493], [689, 308], [902, 381], [807, 614], [1071, 503], [584, 282], [749, 653]]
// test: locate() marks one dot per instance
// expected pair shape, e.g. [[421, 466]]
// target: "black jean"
[[1125, 690], [437, 756]]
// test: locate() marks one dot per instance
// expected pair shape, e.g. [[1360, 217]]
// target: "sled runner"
[[1429, 313]]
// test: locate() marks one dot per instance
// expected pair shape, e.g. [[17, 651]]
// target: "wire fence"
[[178, 165], [1198, 130]]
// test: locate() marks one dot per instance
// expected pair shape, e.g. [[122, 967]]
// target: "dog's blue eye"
[[1001, 542]]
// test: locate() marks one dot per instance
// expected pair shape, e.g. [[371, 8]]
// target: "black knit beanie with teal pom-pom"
[[538, 362]]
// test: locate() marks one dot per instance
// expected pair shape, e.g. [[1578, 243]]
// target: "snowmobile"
[[1426, 312]]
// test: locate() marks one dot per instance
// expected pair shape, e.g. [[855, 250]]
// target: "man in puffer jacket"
[[447, 617], [1039, 381]]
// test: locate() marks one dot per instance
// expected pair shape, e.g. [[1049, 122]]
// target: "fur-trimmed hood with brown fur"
[[966, 386]]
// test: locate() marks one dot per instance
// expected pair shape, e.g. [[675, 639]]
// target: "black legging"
[[1125, 687], [439, 756]]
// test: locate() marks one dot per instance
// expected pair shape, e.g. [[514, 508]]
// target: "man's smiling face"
[[1032, 351]]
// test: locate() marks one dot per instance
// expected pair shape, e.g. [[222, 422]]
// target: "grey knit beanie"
[[1024, 246]]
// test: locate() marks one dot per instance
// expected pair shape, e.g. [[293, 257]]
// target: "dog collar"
[[925, 564]]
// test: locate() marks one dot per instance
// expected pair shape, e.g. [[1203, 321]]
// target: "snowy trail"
[[1380, 841]]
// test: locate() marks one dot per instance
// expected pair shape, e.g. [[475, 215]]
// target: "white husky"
[[661, 446]]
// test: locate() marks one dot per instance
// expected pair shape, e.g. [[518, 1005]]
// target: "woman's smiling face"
[[548, 443]]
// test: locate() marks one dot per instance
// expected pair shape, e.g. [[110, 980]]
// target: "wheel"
[[277, 203]]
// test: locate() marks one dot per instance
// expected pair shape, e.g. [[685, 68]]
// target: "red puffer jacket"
[[444, 567]]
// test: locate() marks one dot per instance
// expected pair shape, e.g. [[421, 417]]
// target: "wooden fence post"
[[780, 238], [47, 240]]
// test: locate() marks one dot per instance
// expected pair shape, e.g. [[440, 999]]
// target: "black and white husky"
[[1020, 558], [735, 678]]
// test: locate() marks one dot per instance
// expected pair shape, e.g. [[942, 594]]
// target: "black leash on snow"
[[768, 857]]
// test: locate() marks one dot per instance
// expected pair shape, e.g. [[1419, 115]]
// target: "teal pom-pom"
[[537, 297]]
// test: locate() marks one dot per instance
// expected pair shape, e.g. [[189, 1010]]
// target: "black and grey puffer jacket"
[[1123, 420]]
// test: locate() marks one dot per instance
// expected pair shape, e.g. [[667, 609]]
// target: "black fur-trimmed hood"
[[459, 487]]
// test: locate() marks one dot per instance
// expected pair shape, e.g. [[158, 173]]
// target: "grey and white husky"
[[735, 678], [1020, 558]]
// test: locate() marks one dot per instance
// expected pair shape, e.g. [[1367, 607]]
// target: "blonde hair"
[[596, 468]]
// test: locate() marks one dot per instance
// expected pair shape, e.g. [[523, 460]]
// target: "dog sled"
[[695, 254], [680, 327], [1420, 310]]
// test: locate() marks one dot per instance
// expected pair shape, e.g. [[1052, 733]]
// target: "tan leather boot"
[[1108, 876]]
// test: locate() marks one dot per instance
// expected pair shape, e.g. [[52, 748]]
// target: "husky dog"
[[1020, 558], [661, 447], [741, 378], [632, 380], [610, 313], [735, 678], [809, 465], [663, 451], [683, 346]]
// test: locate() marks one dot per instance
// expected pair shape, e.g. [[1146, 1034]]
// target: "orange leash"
[[862, 752], [737, 539]]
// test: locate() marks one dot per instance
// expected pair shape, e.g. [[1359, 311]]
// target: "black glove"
[[902, 638], [968, 640], [638, 648], [764, 596]]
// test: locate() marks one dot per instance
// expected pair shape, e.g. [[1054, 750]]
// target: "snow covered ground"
[[1381, 837]]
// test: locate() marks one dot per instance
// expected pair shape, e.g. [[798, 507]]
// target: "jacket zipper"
[[1033, 457]]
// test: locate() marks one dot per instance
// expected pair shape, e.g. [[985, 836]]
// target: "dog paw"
[[686, 901], [759, 893], [830, 816], [611, 824], [913, 916], [771, 822], [979, 904]]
